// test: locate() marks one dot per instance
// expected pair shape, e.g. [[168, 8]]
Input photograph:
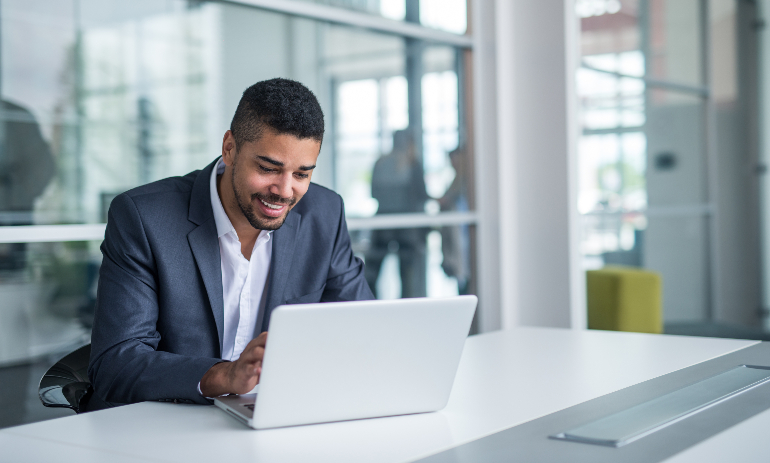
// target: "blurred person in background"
[[26, 168], [398, 185], [455, 240]]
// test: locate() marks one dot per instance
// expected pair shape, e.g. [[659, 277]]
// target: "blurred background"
[[102, 96], [671, 165], [662, 162]]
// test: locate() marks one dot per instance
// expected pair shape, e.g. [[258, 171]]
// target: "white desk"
[[562, 367]]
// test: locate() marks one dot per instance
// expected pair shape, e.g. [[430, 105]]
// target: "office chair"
[[66, 384]]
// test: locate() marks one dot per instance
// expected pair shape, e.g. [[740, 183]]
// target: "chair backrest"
[[66, 384]]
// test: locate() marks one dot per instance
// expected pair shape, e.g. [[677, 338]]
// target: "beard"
[[246, 204]]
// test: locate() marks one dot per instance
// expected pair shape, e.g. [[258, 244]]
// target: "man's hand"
[[238, 377]]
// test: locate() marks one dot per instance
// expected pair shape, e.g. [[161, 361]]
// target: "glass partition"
[[417, 262], [47, 292], [643, 154], [447, 15], [669, 157], [135, 100], [102, 96]]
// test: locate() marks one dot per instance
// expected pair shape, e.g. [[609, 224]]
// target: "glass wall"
[[447, 15], [665, 177], [612, 151], [102, 96]]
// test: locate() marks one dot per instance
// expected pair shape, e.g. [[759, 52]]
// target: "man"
[[455, 239], [398, 185], [26, 169], [194, 265]]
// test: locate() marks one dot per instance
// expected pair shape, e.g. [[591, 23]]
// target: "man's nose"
[[283, 187]]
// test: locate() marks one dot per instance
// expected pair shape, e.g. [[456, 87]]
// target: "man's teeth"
[[271, 206]]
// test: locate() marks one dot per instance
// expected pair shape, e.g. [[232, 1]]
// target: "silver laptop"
[[351, 360]]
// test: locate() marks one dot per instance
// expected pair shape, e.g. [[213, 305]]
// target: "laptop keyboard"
[[249, 406]]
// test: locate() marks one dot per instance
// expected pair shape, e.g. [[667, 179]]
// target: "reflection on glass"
[[676, 147], [642, 154], [369, 111], [113, 114], [456, 241], [398, 179], [47, 301], [46, 312], [613, 239], [448, 15], [676, 247], [129, 94], [100, 96], [612, 172], [26, 168], [440, 125], [675, 41], [366, 109], [445, 264], [612, 152], [398, 186], [610, 96], [667, 31]]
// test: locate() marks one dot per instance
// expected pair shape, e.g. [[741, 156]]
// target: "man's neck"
[[247, 234]]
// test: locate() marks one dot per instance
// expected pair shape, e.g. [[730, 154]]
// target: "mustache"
[[274, 199]]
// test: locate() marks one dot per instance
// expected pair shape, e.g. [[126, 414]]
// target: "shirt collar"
[[220, 217], [224, 226]]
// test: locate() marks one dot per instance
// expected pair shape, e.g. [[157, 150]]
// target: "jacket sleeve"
[[345, 280], [125, 365]]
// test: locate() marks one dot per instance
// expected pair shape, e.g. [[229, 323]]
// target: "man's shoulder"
[[319, 199], [162, 202]]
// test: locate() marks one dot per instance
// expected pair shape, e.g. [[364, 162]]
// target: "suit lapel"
[[284, 241], [205, 246]]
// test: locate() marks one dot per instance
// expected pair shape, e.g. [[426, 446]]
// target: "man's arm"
[[125, 365]]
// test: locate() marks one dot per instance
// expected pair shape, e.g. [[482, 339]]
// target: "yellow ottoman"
[[624, 299]]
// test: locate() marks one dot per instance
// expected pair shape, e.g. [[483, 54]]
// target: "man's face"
[[271, 175]]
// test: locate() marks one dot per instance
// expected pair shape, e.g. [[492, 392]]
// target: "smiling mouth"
[[272, 206]]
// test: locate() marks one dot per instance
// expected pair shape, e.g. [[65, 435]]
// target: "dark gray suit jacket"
[[159, 310]]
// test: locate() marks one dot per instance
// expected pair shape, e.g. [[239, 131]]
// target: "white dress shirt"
[[243, 280]]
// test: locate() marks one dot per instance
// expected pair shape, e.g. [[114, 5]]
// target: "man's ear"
[[228, 148]]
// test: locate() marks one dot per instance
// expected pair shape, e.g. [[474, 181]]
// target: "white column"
[[524, 72]]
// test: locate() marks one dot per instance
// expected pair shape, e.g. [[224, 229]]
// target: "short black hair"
[[286, 106]]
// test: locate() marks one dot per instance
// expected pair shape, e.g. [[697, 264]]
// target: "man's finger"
[[258, 341], [262, 338]]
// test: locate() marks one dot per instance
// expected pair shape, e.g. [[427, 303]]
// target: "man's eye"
[[301, 175], [266, 169]]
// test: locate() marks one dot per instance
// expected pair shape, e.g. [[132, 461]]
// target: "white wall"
[[524, 62]]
